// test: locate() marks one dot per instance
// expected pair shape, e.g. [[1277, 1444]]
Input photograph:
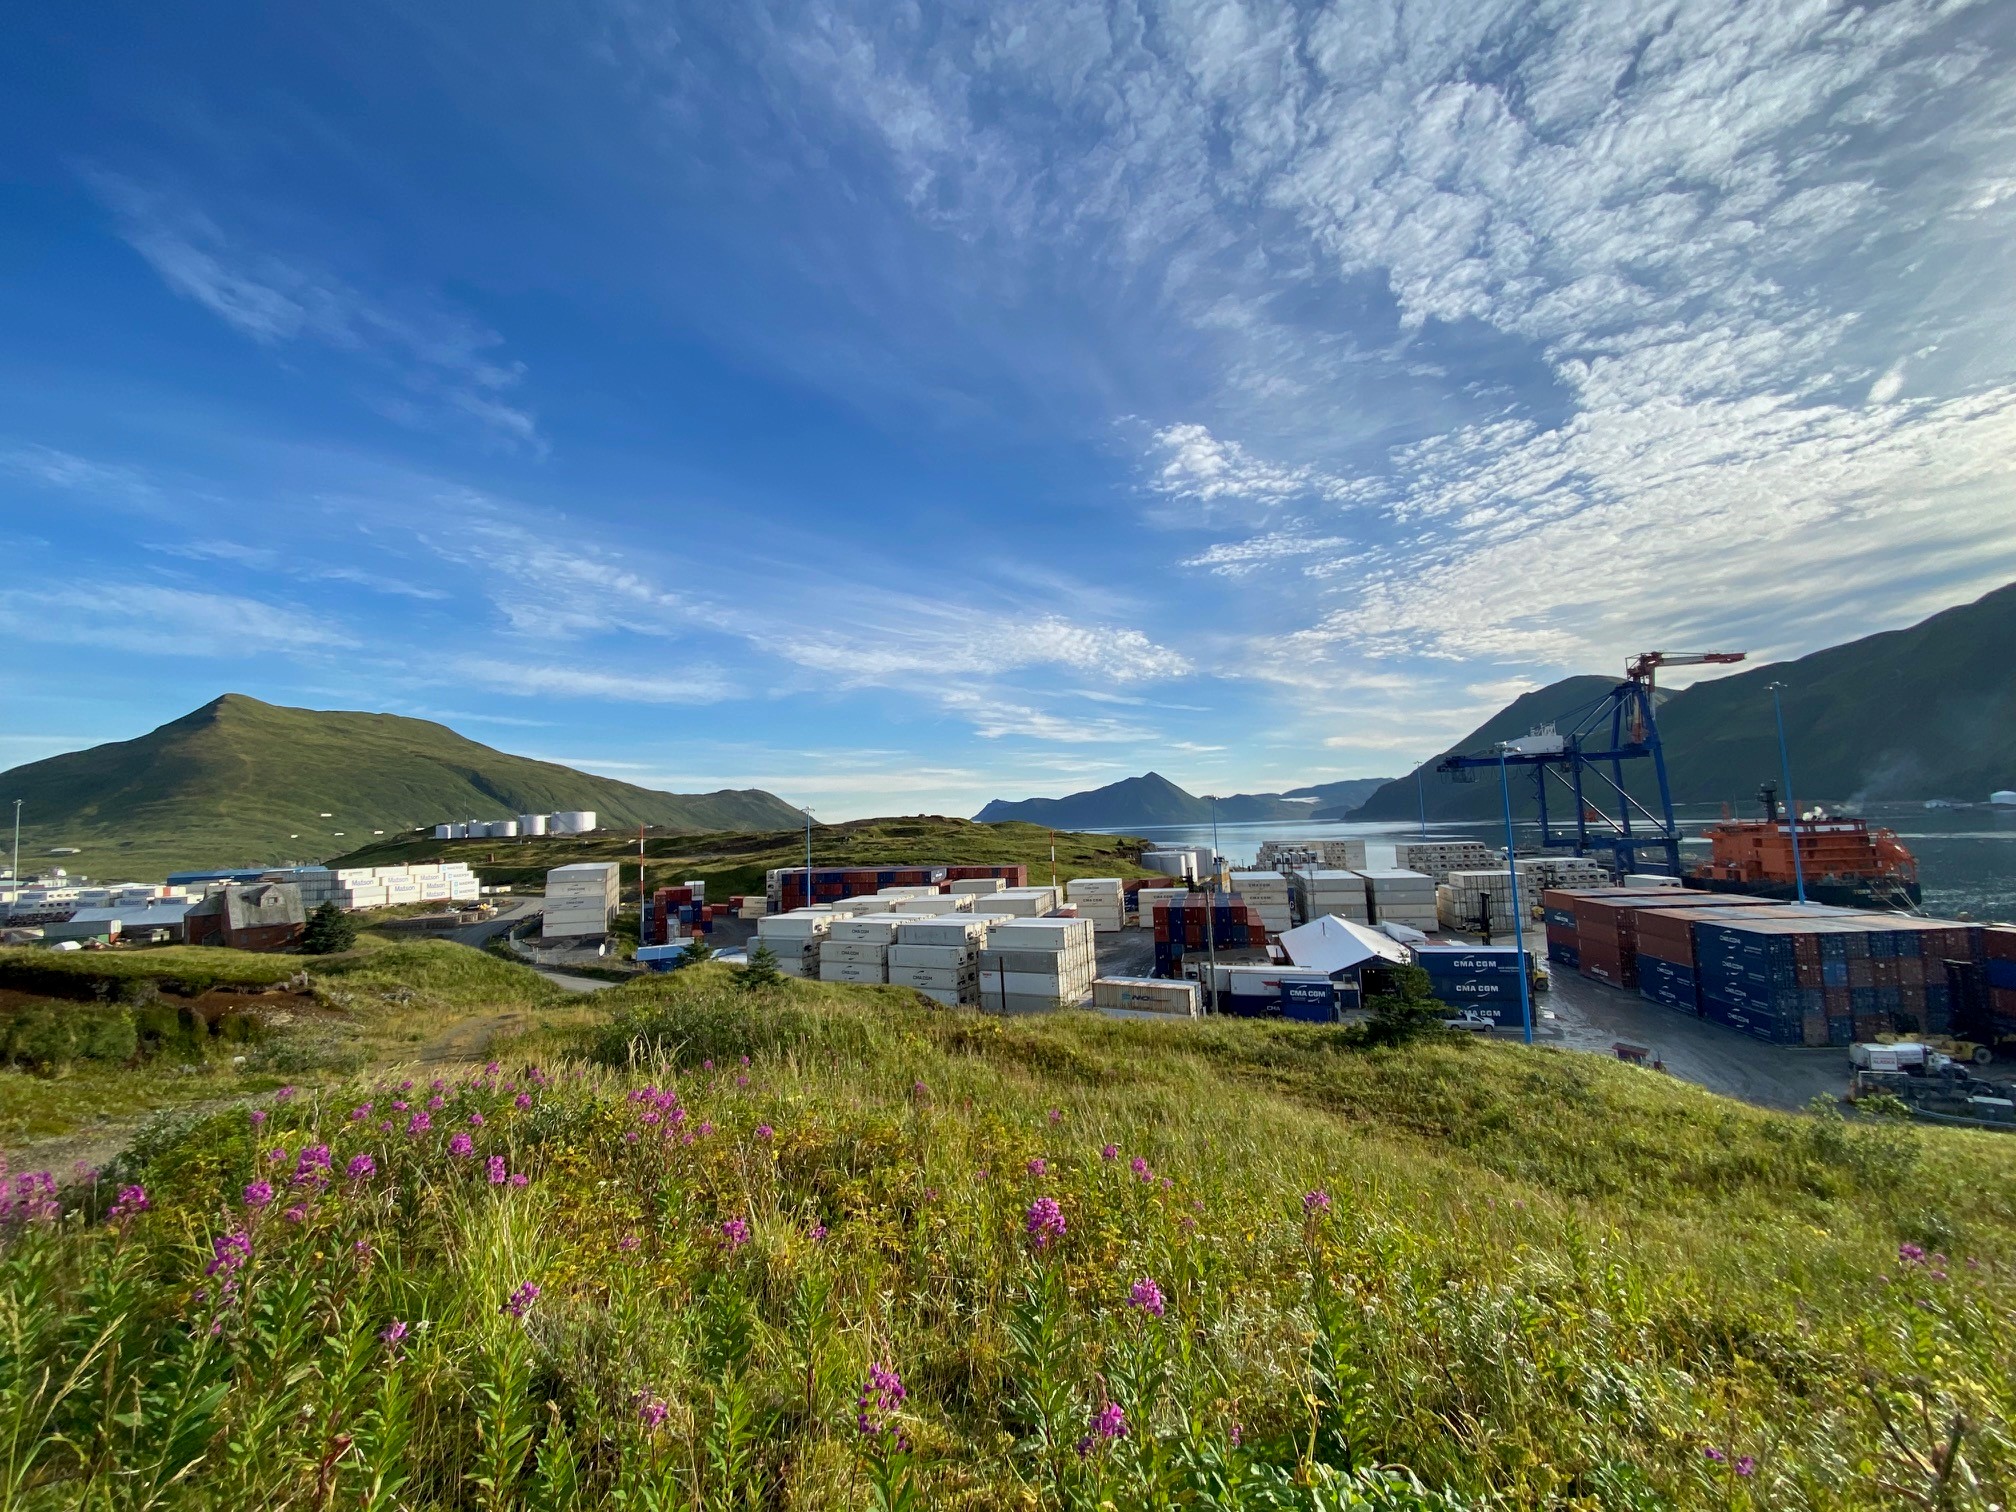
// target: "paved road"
[[573, 983], [482, 934]]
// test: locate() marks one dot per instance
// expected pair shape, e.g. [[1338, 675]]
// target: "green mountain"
[[1926, 712], [1153, 800], [244, 783]]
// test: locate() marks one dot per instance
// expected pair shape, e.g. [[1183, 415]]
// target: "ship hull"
[[1833, 894]]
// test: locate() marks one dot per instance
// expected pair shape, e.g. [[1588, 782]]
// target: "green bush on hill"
[[908, 1256]]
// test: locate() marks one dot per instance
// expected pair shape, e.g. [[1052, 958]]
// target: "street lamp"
[[1211, 914], [1791, 806], [808, 856], [1518, 920], [1421, 798]]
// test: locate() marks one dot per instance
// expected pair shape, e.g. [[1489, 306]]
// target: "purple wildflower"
[[627, 1243], [406, 1085], [475, 1120], [1111, 1423], [706, 1065], [652, 1412], [228, 1253], [461, 1145], [258, 1117], [361, 1168], [258, 1194], [132, 1200], [519, 1178], [764, 1131], [1045, 1222], [1056, 1116], [498, 1170], [391, 1335], [818, 1232], [1714, 1454], [736, 1232], [1147, 1296], [384, 1126], [1317, 1201], [705, 1128], [283, 1094], [1038, 1166], [878, 1401], [1910, 1254], [296, 1214], [1139, 1166], [522, 1100], [276, 1156], [419, 1124], [1109, 1152], [741, 1081], [401, 1107], [522, 1299], [361, 1112], [1745, 1465]]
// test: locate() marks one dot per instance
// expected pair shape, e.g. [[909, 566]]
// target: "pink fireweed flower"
[[385, 1126], [879, 1399], [277, 1155], [1039, 1166], [631, 1137], [736, 1232], [475, 1120], [228, 1253], [1147, 1296], [258, 1193], [1745, 1465], [419, 1124], [519, 1178], [1911, 1254], [29, 1198], [1715, 1455], [132, 1200], [498, 1170], [521, 1300], [1139, 1166], [406, 1085], [283, 1094], [1109, 1152], [258, 1117], [401, 1106], [361, 1112], [438, 1085], [818, 1232], [296, 1214], [1056, 1115], [706, 1065], [627, 1243], [391, 1335], [361, 1168], [461, 1145], [705, 1129], [1111, 1423], [522, 1100], [741, 1081], [1045, 1222], [652, 1412], [435, 1104], [764, 1131], [1317, 1201], [745, 1060]]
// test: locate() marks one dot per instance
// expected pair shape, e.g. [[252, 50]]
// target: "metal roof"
[[1331, 945]]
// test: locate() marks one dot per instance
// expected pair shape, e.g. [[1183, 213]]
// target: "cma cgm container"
[[1475, 978]]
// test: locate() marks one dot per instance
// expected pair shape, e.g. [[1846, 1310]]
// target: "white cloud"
[[152, 621], [996, 718], [1199, 466], [443, 361], [698, 685], [1262, 552]]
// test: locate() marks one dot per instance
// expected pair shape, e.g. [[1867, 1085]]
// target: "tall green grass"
[[1460, 1276]]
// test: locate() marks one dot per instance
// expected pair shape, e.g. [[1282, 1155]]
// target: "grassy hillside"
[[822, 1248], [244, 783], [735, 863]]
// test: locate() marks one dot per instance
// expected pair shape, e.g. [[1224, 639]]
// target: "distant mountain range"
[[1928, 712], [239, 782], [1152, 801]]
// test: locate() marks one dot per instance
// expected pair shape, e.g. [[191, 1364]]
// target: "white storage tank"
[[573, 822], [458, 832], [444, 832], [505, 829], [531, 824]]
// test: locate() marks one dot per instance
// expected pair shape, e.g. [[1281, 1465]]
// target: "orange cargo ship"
[[1845, 862]]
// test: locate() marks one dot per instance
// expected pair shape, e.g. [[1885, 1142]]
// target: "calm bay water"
[[1966, 857]]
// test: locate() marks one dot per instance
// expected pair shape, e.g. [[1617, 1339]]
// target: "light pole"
[[1518, 920], [1211, 915], [808, 856], [17, 845], [1791, 805], [1421, 798]]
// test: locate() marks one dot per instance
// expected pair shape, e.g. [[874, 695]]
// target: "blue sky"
[[899, 407]]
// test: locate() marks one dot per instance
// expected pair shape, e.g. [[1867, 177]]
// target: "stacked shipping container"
[[1193, 924]]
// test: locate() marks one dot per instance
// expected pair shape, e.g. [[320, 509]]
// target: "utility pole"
[[17, 848], [808, 857], [1791, 804], [1518, 919], [1421, 798]]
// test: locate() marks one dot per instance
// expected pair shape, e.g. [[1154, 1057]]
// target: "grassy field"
[[732, 864], [824, 1247], [205, 1025]]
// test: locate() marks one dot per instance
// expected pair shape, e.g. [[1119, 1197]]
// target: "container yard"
[[580, 900]]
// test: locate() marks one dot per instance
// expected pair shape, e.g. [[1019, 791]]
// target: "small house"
[[263, 916]]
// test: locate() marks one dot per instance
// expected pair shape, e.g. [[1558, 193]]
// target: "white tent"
[[1331, 945]]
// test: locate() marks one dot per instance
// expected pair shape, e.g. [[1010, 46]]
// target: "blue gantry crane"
[[1584, 751]]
